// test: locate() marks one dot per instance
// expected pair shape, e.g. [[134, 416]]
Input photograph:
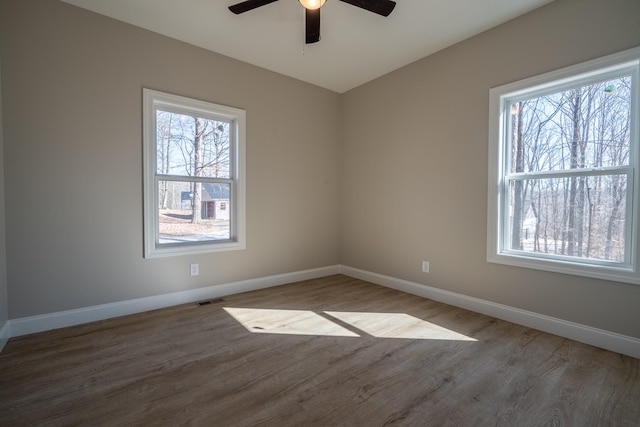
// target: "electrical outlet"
[[195, 269], [425, 266]]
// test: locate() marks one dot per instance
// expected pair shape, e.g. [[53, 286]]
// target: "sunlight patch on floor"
[[290, 322], [307, 322], [397, 325]]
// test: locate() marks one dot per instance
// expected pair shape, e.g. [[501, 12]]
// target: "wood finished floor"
[[197, 365]]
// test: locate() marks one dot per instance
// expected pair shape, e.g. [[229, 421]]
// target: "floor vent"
[[211, 301]]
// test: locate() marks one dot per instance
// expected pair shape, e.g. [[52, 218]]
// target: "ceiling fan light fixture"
[[312, 4]]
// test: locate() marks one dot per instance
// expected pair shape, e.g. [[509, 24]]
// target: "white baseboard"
[[4, 335], [40, 323], [585, 334]]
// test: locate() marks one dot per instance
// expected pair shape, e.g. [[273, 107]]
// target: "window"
[[193, 175], [563, 170]]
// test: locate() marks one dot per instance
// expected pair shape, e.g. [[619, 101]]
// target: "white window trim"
[[153, 99], [628, 272]]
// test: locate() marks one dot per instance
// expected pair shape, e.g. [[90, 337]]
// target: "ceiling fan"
[[312, 12]]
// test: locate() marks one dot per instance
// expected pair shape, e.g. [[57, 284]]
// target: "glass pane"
[[585, 127], [583, 217], [192, 146], [193, 212]]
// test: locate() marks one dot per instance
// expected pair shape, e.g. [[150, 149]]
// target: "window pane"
[[192, 146], [193, 211], [584, 127], [580, 216]]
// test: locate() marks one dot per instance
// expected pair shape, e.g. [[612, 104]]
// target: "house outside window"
[[193, 175], [563, 170]]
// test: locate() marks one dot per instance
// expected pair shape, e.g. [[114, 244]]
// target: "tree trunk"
[[198, 145], [518, 157], [608, 249], [573, 187]]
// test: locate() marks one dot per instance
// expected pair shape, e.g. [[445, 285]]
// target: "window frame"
[[154, 100], [500, 99]]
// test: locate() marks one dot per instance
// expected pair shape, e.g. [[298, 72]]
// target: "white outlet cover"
[[195, 269]]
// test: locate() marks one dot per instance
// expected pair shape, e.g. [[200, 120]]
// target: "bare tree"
[[163, 137], [518, 166], [571, 210], [198, 148]]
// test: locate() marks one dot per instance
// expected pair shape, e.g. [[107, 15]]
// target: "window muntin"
[[194, 175], [563, 163]]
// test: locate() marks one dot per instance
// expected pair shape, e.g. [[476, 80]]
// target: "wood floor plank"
[[198, 365]]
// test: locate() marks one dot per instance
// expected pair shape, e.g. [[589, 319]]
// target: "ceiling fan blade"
[[381, 7], [248, 5], [312, 25]]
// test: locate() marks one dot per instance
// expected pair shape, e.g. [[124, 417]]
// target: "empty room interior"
[[364, 269]]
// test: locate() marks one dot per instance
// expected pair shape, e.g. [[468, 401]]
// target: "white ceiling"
[[356, 46]]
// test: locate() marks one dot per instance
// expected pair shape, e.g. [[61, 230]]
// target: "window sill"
[[182, 249], [615, 272]]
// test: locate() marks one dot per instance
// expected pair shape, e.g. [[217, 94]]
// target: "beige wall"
[[73, 160], [415, 163], [4, 307]]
